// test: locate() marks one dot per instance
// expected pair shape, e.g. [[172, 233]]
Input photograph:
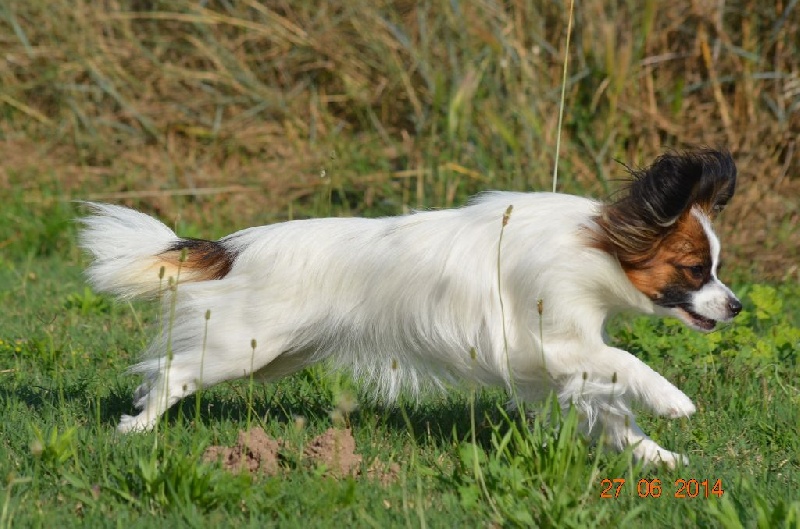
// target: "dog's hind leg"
[[166, 384], [168, 381]]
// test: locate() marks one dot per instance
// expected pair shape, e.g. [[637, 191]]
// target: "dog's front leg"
[[608, 376], [621, 431], [602, 384], [639, 381]]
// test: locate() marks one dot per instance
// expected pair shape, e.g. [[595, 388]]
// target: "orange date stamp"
[[653, 488]]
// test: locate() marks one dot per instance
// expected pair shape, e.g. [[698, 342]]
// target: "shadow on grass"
[[440, 421], [436, 418]]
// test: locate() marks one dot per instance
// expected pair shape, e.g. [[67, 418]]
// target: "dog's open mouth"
[[695, 320]]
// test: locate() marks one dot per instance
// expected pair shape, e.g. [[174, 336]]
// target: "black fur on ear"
[[658, 195]]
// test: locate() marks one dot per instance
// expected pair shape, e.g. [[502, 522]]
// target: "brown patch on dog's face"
[[681, 263]]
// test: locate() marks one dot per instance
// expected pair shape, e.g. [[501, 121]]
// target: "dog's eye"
[[696, 271]]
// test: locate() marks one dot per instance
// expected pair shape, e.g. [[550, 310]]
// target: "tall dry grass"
[[402, 103]]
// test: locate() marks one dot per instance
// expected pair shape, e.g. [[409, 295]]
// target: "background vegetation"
[[248, 112], [218, 115]]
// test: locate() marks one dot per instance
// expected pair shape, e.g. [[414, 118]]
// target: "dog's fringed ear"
[[658, 195], [676, 181], [717, 182]]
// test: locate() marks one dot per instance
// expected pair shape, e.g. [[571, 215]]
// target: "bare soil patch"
[[336, 449], [256, 452]]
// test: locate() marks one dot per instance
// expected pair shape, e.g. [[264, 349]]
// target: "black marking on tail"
[[208, 259]]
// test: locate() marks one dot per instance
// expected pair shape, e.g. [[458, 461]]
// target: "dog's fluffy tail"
[[135, 255]]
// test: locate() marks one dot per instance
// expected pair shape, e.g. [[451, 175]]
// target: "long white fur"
[[401, 302]]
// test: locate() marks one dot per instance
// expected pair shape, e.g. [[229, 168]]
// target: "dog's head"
[[660, 231]]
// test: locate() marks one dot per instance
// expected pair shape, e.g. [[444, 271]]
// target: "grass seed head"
[[507, 215], [346, 402]]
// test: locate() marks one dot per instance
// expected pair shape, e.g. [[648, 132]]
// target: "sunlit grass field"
[[462, 460]]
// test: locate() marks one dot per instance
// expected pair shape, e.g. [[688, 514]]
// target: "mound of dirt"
[[336, 449], [254, 451], [257, 452]]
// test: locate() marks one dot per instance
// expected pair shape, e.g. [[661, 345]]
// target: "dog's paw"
[[140, 394], [682, 408], [675, 406], [131, 423], [670, 460], [650, 453]]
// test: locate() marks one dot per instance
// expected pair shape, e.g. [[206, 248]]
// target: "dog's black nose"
[[735, 306]]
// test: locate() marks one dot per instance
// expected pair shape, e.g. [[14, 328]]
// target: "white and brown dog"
[[422, 300]]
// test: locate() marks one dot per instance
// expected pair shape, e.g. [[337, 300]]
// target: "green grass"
[[63, 387]]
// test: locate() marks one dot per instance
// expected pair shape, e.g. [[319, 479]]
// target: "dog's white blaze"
[[713, 241], [712, 299]]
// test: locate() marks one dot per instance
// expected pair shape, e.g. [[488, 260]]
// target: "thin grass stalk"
[[199, 388], [423, 523], [476, 463], [173, 287], [138, 320], [414, 448], [513, 387], [540, 311], [6, 517], [253, 345], [563, 95]]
